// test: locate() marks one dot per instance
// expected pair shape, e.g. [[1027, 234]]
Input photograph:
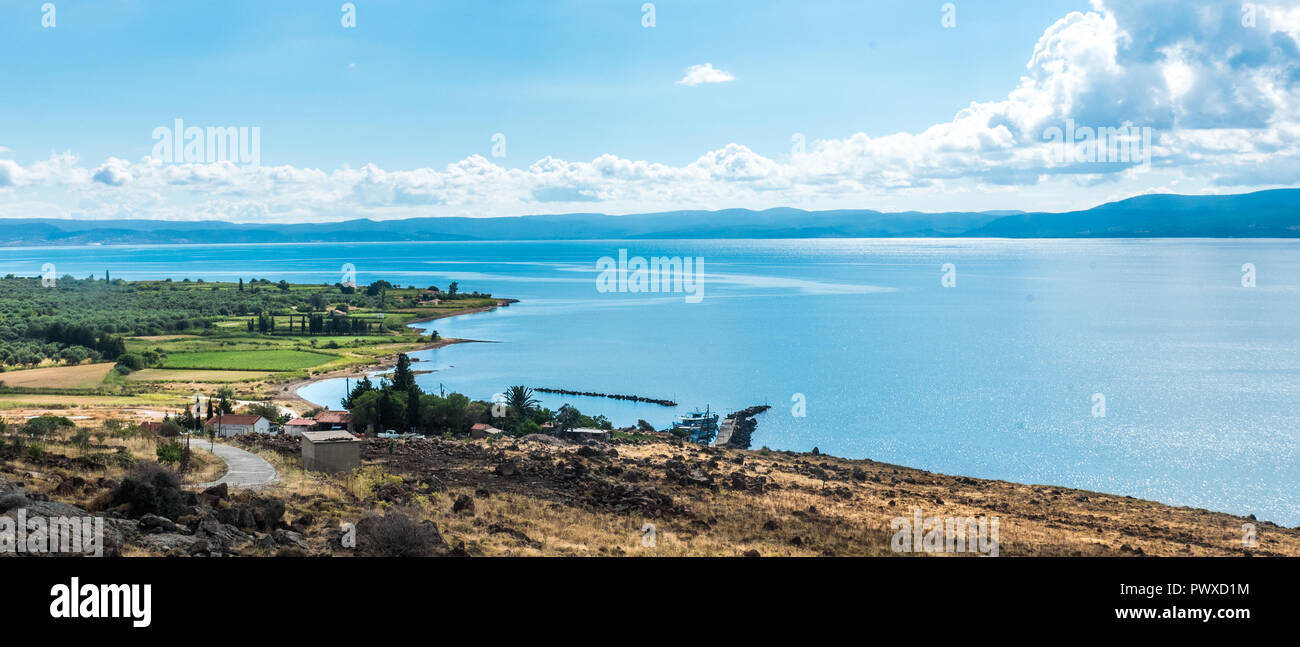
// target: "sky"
[[385, 109]]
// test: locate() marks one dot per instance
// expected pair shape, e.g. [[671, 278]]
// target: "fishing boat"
[[697, 426]]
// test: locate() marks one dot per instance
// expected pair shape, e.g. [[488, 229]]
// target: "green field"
[[249, 360]]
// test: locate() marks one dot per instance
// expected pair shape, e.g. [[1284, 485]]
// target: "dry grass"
[[812, 505], [81, 376], [819, 506]]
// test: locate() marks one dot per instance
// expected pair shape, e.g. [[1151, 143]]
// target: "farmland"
[[151, 345], [252, 360]]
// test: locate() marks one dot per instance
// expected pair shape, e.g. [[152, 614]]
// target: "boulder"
[[13, 500], [220, 535], [155, 523], [464, 504], [220, 491], [290, 538], [169, 541]]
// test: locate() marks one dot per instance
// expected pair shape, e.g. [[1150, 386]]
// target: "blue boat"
[[697, 426]]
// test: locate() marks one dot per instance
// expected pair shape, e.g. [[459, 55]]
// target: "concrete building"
[[234, 424], [330, 451]]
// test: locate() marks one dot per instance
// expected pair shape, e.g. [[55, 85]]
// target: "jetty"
[[724, 431], [612, 396], [737, 428]]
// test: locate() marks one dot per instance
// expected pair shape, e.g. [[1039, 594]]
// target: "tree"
[[453, 288], [82, 440], [450, 414], [403, 376], [520, 399], [267, 410], [224, 396], [567, 418], [364, 385], [378, 288]]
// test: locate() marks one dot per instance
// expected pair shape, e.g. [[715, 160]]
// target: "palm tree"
[[520, 398]]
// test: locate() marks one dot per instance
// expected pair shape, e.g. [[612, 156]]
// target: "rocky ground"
[[541, 496]]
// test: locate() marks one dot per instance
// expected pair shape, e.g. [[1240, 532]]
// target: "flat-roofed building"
[[330, 451]]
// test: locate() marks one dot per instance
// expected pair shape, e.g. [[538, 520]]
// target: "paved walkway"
[[243, 469]]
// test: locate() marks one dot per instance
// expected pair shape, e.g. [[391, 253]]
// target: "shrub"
[[42, 426], [397, 535], [170, 453], [131, 361], [122, 458], [150, 489], [35, 451], [170, 429]]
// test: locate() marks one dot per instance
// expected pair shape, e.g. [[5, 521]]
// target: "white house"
[[233, 425], [296, 426]]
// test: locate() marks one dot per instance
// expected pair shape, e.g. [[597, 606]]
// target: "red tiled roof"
[[233, 419], [300, 422], [334, 417]]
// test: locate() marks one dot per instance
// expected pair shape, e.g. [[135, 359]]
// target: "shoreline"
[[289, 392], [741, 440]]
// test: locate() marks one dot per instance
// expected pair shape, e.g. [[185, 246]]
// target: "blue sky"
[[419, 87]]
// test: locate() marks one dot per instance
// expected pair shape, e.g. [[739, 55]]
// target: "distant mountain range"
[[1263, 214]]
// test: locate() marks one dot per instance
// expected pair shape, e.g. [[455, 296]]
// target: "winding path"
[[243, 469]]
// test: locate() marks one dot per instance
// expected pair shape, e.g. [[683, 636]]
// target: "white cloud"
[[1222, 101], [705, 73]]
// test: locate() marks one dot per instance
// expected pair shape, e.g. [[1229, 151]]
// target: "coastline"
[[289, 392]]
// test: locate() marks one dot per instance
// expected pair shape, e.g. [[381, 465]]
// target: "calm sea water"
[[992, 378]]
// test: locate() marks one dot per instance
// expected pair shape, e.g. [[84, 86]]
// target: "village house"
[[586, 433], [334, 421], [236, 424], [296, 426], [483, 430]]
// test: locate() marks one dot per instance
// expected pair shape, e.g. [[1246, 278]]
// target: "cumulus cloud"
[[1218, 99], [704, 73], [114, 172]]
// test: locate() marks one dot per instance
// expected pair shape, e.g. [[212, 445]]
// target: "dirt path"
[[243, 469]]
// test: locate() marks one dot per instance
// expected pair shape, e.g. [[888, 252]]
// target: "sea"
[[1164, 369]]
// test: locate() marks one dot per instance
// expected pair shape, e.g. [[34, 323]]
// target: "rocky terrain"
[[537, 495]]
